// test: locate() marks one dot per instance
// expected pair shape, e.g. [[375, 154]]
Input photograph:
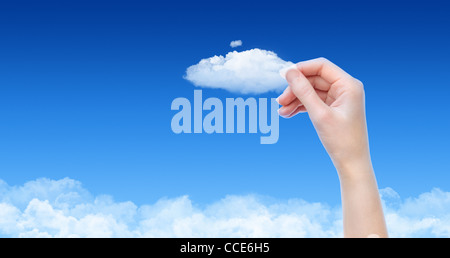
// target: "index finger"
[[324, 68]]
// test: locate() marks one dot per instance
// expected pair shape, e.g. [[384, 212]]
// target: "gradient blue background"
[[86, 88]]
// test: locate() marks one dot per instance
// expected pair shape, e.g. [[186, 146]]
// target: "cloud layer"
[[253, 71], [63, 208]]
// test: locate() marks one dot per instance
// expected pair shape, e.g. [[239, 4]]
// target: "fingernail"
[[278, 111], [283, 72], [278, 100], [281, 114]]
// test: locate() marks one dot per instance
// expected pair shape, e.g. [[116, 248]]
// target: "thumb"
[[305, 92]]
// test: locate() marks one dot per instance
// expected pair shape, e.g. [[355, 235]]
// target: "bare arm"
[[363, 215], [335, 103]]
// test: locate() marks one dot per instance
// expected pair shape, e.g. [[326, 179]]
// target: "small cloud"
[[236, 43], [254, 71]]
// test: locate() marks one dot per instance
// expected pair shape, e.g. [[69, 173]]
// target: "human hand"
[[334, 101]]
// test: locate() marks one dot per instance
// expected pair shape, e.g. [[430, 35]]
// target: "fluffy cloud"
[[253, 71], [63, 208], [427, 215], [236, 43]]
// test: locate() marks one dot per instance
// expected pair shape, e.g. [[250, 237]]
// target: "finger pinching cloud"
[[254, 71]]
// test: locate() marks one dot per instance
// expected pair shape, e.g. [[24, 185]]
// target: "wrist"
[[355, 169]]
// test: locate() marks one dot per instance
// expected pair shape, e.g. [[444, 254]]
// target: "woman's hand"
[[334, 101]]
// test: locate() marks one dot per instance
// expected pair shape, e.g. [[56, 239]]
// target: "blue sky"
[[86, 88]]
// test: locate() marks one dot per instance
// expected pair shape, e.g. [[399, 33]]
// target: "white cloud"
[[236, 43], [253, 71], [427, 215], [63, 208]]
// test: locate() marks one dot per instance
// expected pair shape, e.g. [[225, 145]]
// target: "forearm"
[[361, 204]]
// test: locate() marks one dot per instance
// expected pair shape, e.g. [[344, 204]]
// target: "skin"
[[335, 103]]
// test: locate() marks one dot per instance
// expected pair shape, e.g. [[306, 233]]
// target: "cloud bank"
[[236, 43], [63, 208], [254, 71]]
